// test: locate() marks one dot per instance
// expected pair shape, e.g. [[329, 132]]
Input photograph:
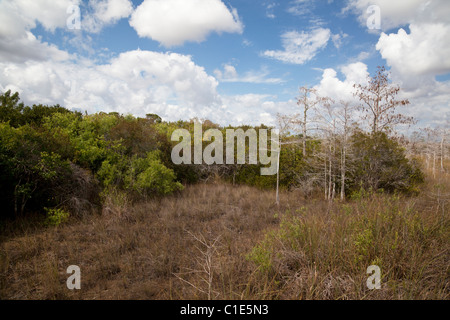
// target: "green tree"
[[36, 114], [153, 118], [11, 108], [379, 162]]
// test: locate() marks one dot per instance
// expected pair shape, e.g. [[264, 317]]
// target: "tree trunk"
[[330, 183], [325, 180], [278, 174], [434, 164], [442, 154], [344, 151], [304, 131]]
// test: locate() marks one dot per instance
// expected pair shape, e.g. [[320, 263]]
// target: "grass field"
[[219, 241]]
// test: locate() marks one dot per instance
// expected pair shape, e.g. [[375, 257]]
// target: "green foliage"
[[48, 165], [154, 118], [363, 242], [11, 108], [143, 175], [37, 113], [30, 174], [50, 156], [380, 163], [85, 135], [17, 114], [110, 174], [149, 176], [54, 216], [261, 255]]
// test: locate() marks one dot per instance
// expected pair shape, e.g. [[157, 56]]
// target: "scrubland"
[[224, 241]]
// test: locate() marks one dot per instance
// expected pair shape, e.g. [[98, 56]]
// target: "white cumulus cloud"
[[18, 17], [399, 13], [136, 82], [174, 22], [425, 50], [331, 86], [415, 56]]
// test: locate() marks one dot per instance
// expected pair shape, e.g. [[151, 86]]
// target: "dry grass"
[[220, 241]]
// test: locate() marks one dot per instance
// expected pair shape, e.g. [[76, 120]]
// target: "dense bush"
[[380, 163], [52, 157]]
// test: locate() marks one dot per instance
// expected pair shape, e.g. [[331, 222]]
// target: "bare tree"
[[326, 121], [308, 99], [285, 124], [344, 116], [436, 147], [443, 133], [329, 141], [379, 102]]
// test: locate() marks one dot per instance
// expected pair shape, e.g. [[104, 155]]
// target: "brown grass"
[[219, 241]]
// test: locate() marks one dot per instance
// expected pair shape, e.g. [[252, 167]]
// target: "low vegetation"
[[221, 241]]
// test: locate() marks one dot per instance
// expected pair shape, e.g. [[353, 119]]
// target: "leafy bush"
[[56, 216], [380, 163], [149, 176]]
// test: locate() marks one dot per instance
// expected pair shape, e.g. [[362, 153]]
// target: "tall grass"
[[219, 241]]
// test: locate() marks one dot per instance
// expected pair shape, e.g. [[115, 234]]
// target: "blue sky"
[[233, 62]]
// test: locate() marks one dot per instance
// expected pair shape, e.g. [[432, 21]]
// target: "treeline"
[[55, 160]]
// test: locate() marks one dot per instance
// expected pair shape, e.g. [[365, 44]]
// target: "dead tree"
[[379, 102]]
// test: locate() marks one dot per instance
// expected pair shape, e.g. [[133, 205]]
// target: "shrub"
[[380, 163], [149, 176], [55, 216]]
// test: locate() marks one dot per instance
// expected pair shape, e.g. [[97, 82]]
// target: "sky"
[[232, 62]]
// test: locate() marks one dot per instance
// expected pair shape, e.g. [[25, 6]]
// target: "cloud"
[[139, 82], [104, 13], [300, 48], [338, 39], [28, 47], [400, 13], [174, 22], [393, 13], [424, 51], [254, 109], [269, 9], [136, 82], [247, 43], [429, 99], [304, 9], [301, 7], [331, 86], [19, 17], [417, 57], [229, 74]]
